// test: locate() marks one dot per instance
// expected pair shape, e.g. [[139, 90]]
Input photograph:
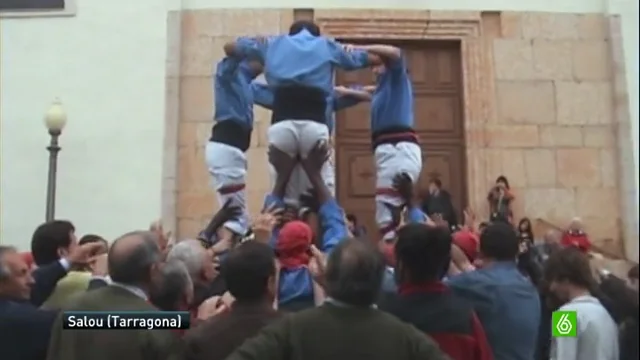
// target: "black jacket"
[[25, 329], [440, 204], [46, 278]]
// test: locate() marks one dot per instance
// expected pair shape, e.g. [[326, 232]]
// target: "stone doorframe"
[[477, 66]]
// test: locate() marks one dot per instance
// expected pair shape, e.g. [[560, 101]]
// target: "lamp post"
[[55, 119]]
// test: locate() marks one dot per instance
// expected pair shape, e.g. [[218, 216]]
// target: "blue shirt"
[[301, 59], [297, 284], [416, 215], [508, 307], [392, 101], [263, 96], [233, 97]]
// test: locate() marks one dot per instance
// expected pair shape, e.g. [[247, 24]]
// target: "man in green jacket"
[[134, 261], [348, 325]]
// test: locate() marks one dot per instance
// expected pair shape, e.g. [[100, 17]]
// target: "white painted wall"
[[107, 64]]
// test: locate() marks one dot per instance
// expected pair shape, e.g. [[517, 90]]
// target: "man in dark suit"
[[438, 201], [249, 272], [25, 329], [133, 262]]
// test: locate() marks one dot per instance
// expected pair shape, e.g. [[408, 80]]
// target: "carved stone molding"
[[433, 25], [391, 28]]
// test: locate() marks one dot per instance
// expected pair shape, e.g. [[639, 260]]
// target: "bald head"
[[132, 256], [552, 236], [354, 273]]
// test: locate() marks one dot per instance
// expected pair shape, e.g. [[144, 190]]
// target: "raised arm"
[[262, 95], [351, 59], [354, 92], [332, 221], [248, 47], [391, 56], [283, 165], [386, 52]]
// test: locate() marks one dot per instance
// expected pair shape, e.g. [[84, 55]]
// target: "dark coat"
[[112, 344], [440, 204], [435, 310], [24, 330], [46, 278], [217, 337], [337, 332]]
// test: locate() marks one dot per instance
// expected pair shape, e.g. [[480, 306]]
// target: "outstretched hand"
[[163, 237], [264, 223], [317, 265]]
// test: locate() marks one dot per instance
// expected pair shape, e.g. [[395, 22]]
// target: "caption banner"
[[126, 320]]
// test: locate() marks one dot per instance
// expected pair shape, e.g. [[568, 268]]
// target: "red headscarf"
[[293, 244], [467, 241]]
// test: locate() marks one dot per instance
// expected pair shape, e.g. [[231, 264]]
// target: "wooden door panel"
[[356, 176], [437, 115], [354, 122]]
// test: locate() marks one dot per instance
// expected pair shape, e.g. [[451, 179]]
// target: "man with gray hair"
[[347, 326], [25, 329], [134, 267], [200, 265], [174, 291]]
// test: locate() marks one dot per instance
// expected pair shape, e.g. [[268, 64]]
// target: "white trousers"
[[404, 157], [228, 169], [297, 137]]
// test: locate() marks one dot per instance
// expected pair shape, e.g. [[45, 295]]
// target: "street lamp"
[[55, 119]]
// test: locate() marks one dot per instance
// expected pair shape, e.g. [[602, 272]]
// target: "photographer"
[[500, 199]]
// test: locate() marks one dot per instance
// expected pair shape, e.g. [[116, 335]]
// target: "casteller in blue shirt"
[[300, 68], [233, 101], [296, 285], [507, 303], [392, 117]]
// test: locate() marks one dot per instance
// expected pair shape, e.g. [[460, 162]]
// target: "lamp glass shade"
[[56, 117]]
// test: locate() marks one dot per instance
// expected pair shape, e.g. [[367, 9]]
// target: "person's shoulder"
[[15, 309], [204, 328], [166, 342], [466, 278]]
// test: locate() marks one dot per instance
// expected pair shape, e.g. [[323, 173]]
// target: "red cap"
[[468, 242], [294, 240]]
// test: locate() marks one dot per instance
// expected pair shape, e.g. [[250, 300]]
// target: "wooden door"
[[436, 72]]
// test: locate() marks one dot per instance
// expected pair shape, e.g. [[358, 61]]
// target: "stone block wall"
[[554, 135], [543, 106]]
